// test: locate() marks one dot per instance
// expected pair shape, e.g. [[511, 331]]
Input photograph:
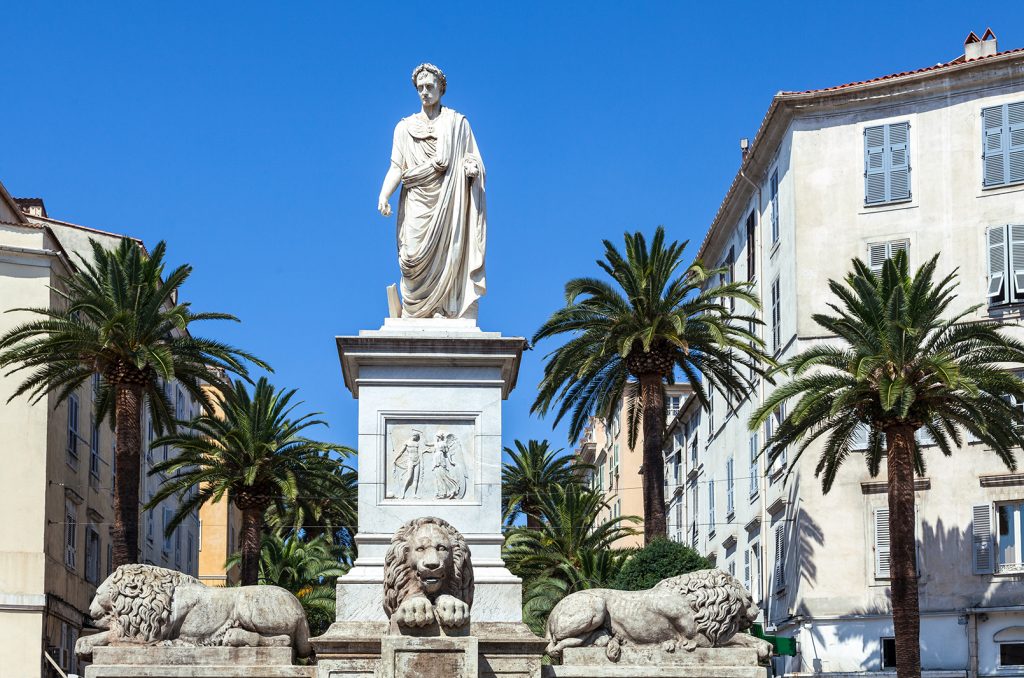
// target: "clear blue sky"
[[253, 137]]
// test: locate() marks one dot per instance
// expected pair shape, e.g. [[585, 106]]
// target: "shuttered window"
[[981, 532], [878, 252], [887, 163], [882, 543], [746, 569], [730, 503], [711, 507], [751, 242], [779, 575], [776, 317], [1003, 144], [773, 192], [755, 449], [1005, 264]]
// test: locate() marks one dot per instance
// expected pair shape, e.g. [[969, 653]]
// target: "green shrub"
[[658, 560]]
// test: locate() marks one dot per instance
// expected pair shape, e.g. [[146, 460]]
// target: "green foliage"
[[898, 363], [648, 308], [533, 469], [658, 560]]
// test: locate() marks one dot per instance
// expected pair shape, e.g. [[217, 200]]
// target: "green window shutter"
[[993, 123], [898, 155], [882, 543], [874, 165], [997, 265], [1015, 147], [981, 530]]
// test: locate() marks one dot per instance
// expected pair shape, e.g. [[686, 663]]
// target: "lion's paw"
[[669, 646], [415, 611], [451, 611]]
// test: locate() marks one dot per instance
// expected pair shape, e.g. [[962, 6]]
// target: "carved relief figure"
[[149, 605], [449, 467], [428, 575], [442, 222], [706, 608], [407, 461]]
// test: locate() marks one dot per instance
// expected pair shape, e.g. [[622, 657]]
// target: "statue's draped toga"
[[442, 216]]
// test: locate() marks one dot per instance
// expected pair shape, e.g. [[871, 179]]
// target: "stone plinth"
[[195, 662], [437, 657], [354, 649], [654, 662], [430, 394]]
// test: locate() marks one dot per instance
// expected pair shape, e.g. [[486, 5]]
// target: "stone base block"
[[353, 649], [654, 662], [438, 657], [195, 662]]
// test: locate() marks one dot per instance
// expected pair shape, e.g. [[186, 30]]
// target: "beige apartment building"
[[931, 162], [55, 543], [605, 445]]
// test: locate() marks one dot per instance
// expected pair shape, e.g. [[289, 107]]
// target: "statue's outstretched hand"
[[415, 611], [451, 611], [383, 207], [472, 167]]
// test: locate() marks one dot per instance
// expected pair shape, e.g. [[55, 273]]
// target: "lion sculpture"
[[706, 608], [149, 605], [428, 575]]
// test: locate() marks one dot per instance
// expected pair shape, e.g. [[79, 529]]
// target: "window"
[[95, 386], [179, 407], [673, 406], [729, 276], [693, 450], [168, 516], [730, 494], [110, 559], [177, 548], [711, 415], [754, 559], [751, 242], [881, 546], [70, 533], [888, 652], [73, 430], [191, 549], [771, 425], [776, 317], [887, 163], [150, 435], [679, 512], [773, 192], [94, 451], [732, 568], [878, 252], [67, 658], [1008, 537], [1010, 641], [149, 524], [92, 555], [231, 539], [1003, 144], [779, 576], [755, 449], [711, 507], [1005, 264]]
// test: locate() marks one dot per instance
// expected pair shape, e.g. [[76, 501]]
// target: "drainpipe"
[[972, 645]]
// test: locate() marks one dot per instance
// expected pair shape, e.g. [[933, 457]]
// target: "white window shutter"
[[982, 537], [1015, 150], [1016, 233], [996, 264], [993, 143], [897, 246], [746, 569], [882, 543], [780, 557], [874, 165], [899, 160], [878, 252]]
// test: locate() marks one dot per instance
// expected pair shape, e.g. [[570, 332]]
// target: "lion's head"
[[721, 606], [427, 557], [134, 602]]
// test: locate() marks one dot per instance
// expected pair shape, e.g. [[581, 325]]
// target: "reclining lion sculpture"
[[706, 608], [149, 605], [428, 575]]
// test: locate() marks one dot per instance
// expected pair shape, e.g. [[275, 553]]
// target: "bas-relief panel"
[[430, 460]]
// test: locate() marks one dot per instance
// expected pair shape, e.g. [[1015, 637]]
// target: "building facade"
[[617, 467], [55, 542], [930, 162]]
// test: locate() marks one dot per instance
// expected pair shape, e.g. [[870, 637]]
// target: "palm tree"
[[899, 368], [629, 338], [119, 318], [328, 509], [254, 453], [532, 471]]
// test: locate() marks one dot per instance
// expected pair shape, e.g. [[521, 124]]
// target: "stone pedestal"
[[653, 662], [195, 662], [443, 380], [437, 657]]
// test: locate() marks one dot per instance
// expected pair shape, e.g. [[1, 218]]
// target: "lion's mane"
[[718, 600], [400, 579], [140, 600]]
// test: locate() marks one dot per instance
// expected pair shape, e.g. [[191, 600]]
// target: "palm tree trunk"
[[653, 402], [252, 534], [128, 409], [902, 551], [532, 521]]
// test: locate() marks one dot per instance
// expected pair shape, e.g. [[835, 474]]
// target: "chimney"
[[744, 146], [33, 207], [976, 48]]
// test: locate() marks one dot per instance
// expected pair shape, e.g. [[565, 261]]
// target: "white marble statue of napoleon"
[[442, 214]]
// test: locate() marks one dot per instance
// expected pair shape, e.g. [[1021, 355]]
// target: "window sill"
[[988, 191], [731, 516], [893, 206], [753, 497]]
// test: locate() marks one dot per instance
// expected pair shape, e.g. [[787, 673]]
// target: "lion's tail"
[[302, 646]]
